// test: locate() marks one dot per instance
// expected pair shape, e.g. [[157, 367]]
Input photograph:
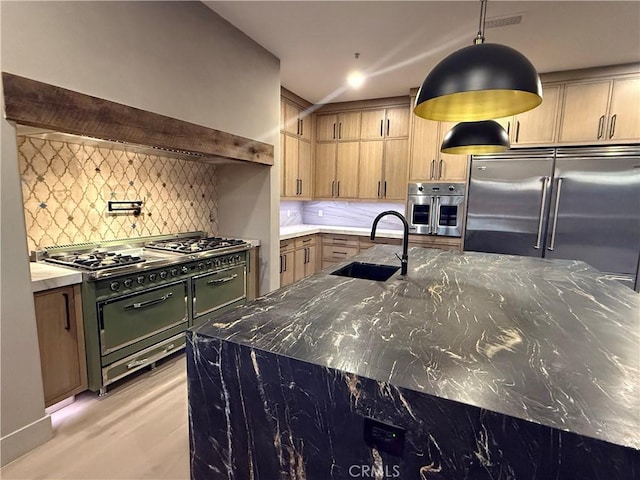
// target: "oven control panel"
[[142, 279]]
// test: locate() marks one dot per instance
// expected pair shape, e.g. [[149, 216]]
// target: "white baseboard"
[[25, 439]]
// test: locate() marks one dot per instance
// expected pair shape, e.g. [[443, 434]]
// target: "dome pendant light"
[[479, 82], [480, 138]]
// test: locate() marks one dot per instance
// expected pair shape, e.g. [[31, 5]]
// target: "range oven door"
[[420, 209], [131, 318], [215, 290], [447, 219]]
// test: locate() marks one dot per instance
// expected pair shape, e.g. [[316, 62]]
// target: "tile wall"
[[291, 213], [66, 187], [351, 214]]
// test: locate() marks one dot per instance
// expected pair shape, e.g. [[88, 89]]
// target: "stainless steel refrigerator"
[[579, 203]]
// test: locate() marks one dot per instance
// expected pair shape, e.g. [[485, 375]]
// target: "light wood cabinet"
[[61, 341], [366, 243], [427, 162], [385, 123], [339, 127], [295, 146], [337, 248], [253, 273], [294, 119], [601, 111], [298, 259], [537, 126], [431, 241], [336, 174]]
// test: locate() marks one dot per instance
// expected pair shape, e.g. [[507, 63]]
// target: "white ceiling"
[[400, 42]]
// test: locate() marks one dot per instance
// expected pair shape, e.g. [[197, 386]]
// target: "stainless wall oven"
[[436, 208]]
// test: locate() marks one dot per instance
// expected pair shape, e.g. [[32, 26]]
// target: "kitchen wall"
[[178, 59], [66, 187], [291, 213], [340, 214]]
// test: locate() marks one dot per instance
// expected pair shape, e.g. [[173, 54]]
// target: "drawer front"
[[132, 318], [344, 240], [338, 253], [141, 359], [368, 243], [287, 244], [212, 291], [307, 241]]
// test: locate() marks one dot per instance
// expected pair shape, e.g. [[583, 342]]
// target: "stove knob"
[[238, 258], [451, 188], [140, 279], [420, 189], [153, 276], [128, 282], [209, 264], [163, 274], [115, 286], [184, 269], [217, 263], [174, 272], [201, 266], [224, 261]]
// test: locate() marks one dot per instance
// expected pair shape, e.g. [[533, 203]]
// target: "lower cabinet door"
[[287, 268], [59, 323]]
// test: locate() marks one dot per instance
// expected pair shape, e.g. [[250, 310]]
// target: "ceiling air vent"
[[503, 21]]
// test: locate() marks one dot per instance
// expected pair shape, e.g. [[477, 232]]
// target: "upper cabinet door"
[[348, 126], [423, 149], [347, 166], [538, 126], [291, 121], [396, 160], [373, 125], [291, 183], [370, 171], [584, 112], [326, 128], [397, 122], [304, 170], [325, 173], [624, 112]]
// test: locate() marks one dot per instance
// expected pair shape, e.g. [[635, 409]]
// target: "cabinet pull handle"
[[148, 303], [285, 262], [555, 216], [433, 163], [600, 127], [381, 123], [222, 280], [378, 189], [340, 131], [334, 130], [338, 189], [340, 253], [517, 130], [298, 130], [67, 325], [508, 128], [440, 169], [333, 184], [612, 128], [280, 263], [385, 189], [301, 126], [388, 126]]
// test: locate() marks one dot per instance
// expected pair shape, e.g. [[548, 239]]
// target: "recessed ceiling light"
[[355, 79]]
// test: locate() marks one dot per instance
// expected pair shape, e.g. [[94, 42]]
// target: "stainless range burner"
[[194, 245], [94, 261]]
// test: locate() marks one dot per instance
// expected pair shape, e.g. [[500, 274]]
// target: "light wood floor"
[[138, 431]]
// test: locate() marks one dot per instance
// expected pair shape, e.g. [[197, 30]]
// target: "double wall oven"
[[436, 208], [139, 298]]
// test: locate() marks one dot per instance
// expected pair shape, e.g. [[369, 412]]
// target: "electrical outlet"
[[288, 213], [320, 213]]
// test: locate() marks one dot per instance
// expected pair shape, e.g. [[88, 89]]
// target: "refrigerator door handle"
[[555, 215], [545, 187]]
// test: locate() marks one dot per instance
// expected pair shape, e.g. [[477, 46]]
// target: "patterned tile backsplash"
[[66, 187]]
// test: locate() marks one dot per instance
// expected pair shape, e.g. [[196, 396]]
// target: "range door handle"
[[148, 303], [543, 202], [552, 243], [432, 215], [227, 279]]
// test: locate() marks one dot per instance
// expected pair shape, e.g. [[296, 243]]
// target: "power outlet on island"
[[383, 436], [320, 213]]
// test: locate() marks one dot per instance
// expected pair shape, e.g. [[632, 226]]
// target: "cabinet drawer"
[[218, 289], [306, 241], [366, 242], [443, 243], [286, 245], [141, 359], [337, 253], [343, 240]]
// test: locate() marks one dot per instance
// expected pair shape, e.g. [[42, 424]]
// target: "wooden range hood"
[[59, 112]]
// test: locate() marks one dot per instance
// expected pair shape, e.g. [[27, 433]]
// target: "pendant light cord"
[[483, 14]]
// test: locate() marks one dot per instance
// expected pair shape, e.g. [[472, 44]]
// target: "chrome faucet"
[[405, 239]]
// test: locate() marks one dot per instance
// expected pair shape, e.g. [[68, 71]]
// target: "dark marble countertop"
[[549, 341]]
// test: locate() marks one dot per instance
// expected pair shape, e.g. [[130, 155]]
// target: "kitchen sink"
[[367, 271]]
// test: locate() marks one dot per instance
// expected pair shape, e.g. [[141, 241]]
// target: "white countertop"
[[46, 277], [299, 230]]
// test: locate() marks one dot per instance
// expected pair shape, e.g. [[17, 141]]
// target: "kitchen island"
[[478, 365]]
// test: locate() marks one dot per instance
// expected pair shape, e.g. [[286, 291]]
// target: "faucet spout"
[[404, 261]]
